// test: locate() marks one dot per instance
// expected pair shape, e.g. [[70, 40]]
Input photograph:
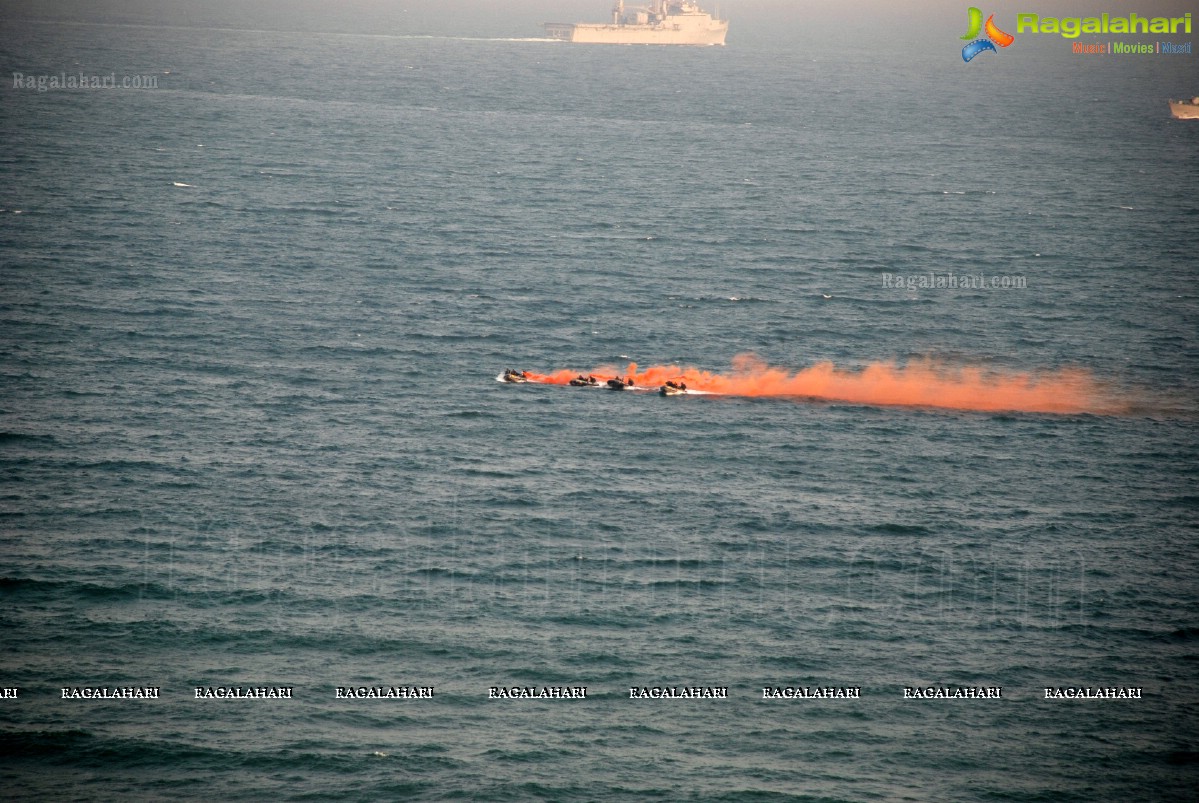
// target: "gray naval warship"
[[663, 22]]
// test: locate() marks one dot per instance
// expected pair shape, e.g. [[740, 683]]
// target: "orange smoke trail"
[[924, 384]]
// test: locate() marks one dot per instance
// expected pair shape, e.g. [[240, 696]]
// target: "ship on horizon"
[[663, 22], [1185, 109]]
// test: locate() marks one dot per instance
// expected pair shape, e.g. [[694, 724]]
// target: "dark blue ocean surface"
[[250, 433]]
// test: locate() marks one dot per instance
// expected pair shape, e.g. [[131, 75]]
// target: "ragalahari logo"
[[994, 35]]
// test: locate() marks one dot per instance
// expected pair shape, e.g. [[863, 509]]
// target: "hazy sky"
[[866, 21]]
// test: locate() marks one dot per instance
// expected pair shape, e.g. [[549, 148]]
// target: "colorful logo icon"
[[994, 35]]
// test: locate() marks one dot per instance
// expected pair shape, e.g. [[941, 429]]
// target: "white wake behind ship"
[[662, 22]]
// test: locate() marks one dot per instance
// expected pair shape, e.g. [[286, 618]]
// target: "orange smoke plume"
[[923, 383]]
